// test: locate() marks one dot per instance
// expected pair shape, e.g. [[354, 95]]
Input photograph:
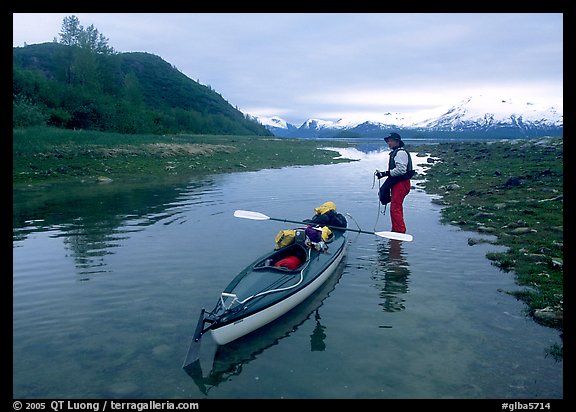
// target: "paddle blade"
[[245, 214], [395, 236]]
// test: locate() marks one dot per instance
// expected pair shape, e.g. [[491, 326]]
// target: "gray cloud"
[[321, 64]]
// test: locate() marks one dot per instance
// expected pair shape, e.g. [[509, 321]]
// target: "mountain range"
[[475, 116], [137, 92]]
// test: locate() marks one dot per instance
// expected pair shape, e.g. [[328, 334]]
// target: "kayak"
[[220, 363], [267, 289]]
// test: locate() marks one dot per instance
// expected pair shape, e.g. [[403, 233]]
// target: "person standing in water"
[[397, 185]]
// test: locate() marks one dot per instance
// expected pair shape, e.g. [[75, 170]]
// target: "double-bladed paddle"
[[246, 214]]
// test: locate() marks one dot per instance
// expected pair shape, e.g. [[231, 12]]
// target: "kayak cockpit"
[[278, 271], [291, 258]]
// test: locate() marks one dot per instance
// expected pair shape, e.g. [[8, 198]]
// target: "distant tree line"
[[80, 82]]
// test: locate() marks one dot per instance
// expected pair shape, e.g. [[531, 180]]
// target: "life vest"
[[384, 192], [392, 163]]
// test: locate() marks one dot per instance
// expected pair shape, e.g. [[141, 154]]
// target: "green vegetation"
[[83, 84], [512, 190], [44, 154]]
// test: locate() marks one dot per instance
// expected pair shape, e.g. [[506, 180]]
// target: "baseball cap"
[[394, 136]]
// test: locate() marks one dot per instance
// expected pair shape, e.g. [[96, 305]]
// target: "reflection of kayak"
[[224, 362], [263, 292]]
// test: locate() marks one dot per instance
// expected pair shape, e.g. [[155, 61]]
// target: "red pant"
[[398, 193]]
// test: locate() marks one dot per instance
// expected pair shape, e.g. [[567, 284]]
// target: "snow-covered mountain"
[[277, 125], [476, 116], [483, 113]]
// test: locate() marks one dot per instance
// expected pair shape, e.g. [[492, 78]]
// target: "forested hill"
[[71, 87]]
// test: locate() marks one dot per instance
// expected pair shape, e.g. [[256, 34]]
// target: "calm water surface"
[[108, 282]]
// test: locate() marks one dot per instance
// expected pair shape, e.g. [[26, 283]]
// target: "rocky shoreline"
[[513, 190]]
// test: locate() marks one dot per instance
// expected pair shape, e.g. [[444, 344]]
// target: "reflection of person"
[[395, 254], [396, 272], [397, 185]]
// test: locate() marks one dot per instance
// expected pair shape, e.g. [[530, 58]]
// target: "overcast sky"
[[327, 66]]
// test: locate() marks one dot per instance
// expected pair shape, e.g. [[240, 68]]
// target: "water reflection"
[[94, 219], [391, 275], [318, 335], [228, 360], [125, 334]]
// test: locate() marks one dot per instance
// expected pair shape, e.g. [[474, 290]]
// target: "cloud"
[[316, 64]]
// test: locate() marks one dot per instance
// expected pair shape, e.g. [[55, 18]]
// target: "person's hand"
[[380, 174]]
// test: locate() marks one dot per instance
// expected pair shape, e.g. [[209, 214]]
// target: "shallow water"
[[108, 282]]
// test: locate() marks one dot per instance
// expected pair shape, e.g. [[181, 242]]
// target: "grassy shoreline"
[[512, 190], [42, 155]]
